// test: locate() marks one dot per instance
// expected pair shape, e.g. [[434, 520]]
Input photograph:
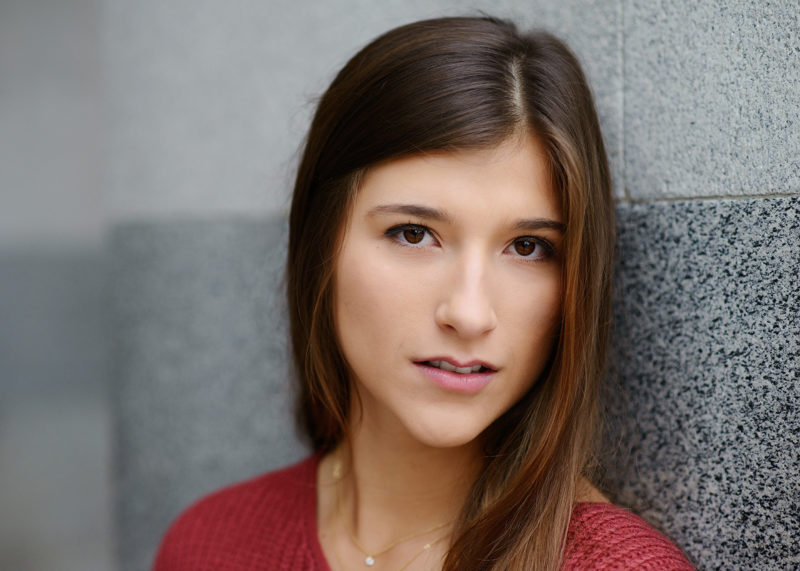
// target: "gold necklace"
[[369, 559], [425, 547]]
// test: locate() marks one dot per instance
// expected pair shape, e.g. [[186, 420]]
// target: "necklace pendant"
[[369, 561]]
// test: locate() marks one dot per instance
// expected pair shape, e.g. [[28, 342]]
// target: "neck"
[[390, 489]]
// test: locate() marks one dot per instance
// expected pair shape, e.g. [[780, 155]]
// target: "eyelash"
[[396, 234]]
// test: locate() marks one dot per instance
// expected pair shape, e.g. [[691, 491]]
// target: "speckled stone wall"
[[711, 98], [708, 318], [698, 104], [708, 350]]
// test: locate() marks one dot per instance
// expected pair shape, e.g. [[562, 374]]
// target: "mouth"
[[467, 378], [467, 369]]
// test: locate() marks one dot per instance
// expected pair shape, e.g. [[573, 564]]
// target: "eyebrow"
[[425, 212], [533, 224], [428, 213]]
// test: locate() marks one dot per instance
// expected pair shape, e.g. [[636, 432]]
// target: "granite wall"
[[208, 104], [708, 328]]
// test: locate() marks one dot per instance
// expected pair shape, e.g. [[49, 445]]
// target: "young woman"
[[449, 272]]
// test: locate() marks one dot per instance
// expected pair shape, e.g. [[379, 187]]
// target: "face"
[[447, 289]]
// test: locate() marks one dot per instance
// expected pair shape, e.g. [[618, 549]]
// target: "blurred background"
[[55, 422], [146, 157]]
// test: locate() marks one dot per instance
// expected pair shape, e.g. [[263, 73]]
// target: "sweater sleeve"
[[266, 523], [240, 527], [606, 537], [185, 542]]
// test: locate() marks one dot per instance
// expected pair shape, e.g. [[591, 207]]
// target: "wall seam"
[[711, 197]]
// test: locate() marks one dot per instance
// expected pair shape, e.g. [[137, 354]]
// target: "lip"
[[450, 380], [457, 363]]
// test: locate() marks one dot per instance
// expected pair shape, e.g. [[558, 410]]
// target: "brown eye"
[[413, 235], [532, 249], [524, 247]]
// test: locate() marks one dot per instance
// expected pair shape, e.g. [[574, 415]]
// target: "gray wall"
[[184, 118]]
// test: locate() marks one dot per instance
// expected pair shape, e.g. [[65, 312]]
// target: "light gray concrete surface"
[[55, 483], [51, 123], [55, 472], [202, 386], [712, 92], [53, 324], [55, 434], [709, 355]]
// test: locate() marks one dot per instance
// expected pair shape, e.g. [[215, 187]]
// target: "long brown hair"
[[447, 84]]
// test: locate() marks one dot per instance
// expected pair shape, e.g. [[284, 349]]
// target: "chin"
[[446, 435]]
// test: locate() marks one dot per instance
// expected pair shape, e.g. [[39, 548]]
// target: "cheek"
[[534, 322], [361, 289], [351, 302], [372, 303]]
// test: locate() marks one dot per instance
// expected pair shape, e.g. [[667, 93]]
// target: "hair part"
[[444, 85]]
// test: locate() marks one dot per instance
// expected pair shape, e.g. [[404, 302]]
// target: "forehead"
[[510, 178]]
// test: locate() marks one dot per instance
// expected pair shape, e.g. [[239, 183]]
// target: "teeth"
[[445, 366]]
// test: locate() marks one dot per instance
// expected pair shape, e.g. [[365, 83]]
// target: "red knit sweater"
[[270, 523]]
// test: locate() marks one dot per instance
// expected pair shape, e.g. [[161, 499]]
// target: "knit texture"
[[604, 536], [270, 523]]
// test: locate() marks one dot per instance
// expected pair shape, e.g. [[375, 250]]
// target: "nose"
[[466, 307]]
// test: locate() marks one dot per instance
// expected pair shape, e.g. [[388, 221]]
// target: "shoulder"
[[244, 522], [604, 536]]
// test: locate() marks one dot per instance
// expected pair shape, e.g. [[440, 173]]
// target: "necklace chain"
[[370, 556], [425, 547]]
